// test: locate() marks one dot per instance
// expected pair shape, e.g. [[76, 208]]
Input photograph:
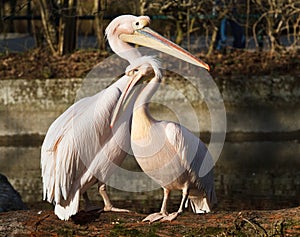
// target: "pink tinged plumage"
[[168, 152], [75, 152], [79, 138]]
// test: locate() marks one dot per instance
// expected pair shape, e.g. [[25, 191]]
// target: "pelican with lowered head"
[[166, 151]]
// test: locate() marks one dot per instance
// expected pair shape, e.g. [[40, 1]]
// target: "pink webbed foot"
[[170, 217], [154, 217], [115, 209]]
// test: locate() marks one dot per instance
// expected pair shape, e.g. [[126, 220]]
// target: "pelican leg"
[[174, 215], [163, 211], [107, 203]]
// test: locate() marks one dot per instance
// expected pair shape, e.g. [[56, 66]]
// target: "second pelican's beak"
[[127, 96], [149, 38]]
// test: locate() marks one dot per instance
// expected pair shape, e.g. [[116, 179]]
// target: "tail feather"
[[202, 201], [64, 212], [199, 204]]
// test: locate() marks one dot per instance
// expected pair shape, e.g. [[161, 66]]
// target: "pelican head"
[[145, 71], [127, 29]]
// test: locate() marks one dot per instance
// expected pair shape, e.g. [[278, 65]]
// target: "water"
[[248, 175]]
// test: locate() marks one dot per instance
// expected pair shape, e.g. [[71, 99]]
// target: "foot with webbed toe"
[[154, 217]]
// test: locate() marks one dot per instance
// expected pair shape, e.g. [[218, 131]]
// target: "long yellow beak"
[[149, 38]]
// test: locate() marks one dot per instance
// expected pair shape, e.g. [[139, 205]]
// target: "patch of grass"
[[64, 231], [194, 231], [153, 229], [121, 230]]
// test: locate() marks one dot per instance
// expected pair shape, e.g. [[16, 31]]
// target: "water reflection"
[[248, 175]]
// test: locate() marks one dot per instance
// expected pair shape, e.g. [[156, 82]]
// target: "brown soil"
[[245, 223], [39, 63]]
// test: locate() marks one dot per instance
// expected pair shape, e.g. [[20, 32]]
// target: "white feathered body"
[[80, 149], [174, 157]]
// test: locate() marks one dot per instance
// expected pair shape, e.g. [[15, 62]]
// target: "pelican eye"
[[132, 72], [135, 71], [138, 25]]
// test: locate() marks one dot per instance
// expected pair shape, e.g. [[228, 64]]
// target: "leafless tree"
[[6, 24], [189, 17], [59, 24], [178, 12], [181, 20], [277, 18], [99, 8]]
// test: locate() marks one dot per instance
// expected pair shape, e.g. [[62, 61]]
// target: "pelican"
[[80, 149], [166, 151]]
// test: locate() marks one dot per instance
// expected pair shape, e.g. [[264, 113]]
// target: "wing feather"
[[194, 157], [73, 140]]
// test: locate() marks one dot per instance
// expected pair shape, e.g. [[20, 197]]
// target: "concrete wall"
[[252, 104]]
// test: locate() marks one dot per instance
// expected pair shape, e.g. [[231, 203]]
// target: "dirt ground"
[[39, 64], [34, 222]]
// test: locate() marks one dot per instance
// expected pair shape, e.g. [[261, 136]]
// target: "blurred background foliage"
[[57, 23]]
